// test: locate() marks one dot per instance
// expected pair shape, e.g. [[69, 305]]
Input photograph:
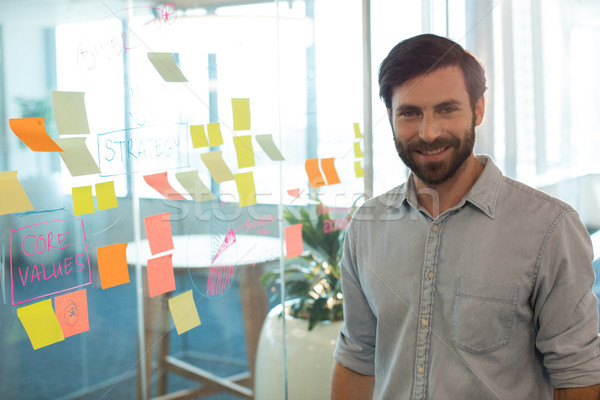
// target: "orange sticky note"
[[293, 241], [158, 231], [241, 114], [184, 312], [160, 183], [315, 179], [33, 133], [12, 195], [161, 278], [40, 323], [328, 166], [112, 265], [72, 312]]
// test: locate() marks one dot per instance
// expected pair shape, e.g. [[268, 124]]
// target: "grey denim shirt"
[[490, 300]]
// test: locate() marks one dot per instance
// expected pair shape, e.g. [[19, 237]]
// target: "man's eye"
[[448, 110], [408, 114]]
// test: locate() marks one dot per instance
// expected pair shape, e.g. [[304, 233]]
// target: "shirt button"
[[430, 275], [436, 228], [424, 322], [420, 370]]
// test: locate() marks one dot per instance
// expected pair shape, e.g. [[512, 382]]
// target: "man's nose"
[[429, 129]]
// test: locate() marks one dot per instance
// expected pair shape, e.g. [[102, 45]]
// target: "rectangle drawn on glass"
[[148, 148]]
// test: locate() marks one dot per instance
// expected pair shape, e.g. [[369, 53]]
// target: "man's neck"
[[438, 198]]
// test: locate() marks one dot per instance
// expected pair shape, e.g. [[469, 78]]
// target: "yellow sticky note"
[[77, 157], [194, 186], [214, 134], [241, 114], [219, 171], [268, 145], [184, 312], [69, 113], [357, 151], [198, 136], [83, 201], [166, 67], [246, 188], [12, 195], [106, 196], [358, 169], [244, 151], [357, 133], [41, 324]]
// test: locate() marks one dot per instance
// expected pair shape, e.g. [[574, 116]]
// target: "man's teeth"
[[431, 152]]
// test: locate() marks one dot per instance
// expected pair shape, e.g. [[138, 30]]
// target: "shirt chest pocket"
[[483, 315]]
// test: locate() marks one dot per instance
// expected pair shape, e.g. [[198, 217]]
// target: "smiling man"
[[461, 283]]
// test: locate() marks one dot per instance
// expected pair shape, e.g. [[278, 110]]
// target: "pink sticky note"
[[158, 231], [160, 183], [72, 312], [161, 278], [294, 193], [293, 240]]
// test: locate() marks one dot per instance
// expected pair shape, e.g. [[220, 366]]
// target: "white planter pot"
[[309, 354]]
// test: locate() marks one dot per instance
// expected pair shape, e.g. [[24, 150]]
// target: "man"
[[461, 283]]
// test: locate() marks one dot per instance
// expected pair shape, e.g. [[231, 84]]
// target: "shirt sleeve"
[[565, 307], [355, 348]]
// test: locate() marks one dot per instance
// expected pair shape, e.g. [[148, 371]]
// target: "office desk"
[[251, 252]]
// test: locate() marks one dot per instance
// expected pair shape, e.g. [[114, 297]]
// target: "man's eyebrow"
[[448, 103], [407, 107]]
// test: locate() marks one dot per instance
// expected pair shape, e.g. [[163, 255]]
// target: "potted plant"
[[313, 313]]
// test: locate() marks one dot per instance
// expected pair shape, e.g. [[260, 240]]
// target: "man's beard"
[[436, 173]]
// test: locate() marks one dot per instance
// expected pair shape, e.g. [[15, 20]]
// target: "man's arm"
[[350, 385], [582, 393]]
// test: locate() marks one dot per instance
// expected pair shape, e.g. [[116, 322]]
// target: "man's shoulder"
[[521, 194]]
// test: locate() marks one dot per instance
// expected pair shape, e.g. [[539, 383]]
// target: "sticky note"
[[106, 196], [241, 114], [160, 183], [357, 151], [184, 312], [69, 113], [12, 195], [357, 133], [268, 145], [112, 265], [214, 134], [294, 192], [328, 166], [166, 67], [315, 179], [161, 278], [41, 324], [158, 231], [33, 133], [198, 136], [219, 171], [244, 151], [194, 186], [77, 157], [293, 241], [83, 200], [72, 312], [246, 188], [358, 169]]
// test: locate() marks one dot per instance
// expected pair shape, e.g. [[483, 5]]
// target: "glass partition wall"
[[178, 176]]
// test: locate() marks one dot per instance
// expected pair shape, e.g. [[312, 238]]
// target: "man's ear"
[[479, 111]]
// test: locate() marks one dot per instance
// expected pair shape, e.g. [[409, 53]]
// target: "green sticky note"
[[83, 201], [214, 134], [241, 114], [184, 312], [41, 324], [244, 151], [106, 196], [198, 136], [76, 156], [69, 113]]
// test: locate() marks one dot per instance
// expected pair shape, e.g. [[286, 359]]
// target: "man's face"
[[434, 124]]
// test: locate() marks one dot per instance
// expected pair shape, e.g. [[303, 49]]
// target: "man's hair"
[[423, 54]]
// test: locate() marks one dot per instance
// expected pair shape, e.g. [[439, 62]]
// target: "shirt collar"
[[482, 195]]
